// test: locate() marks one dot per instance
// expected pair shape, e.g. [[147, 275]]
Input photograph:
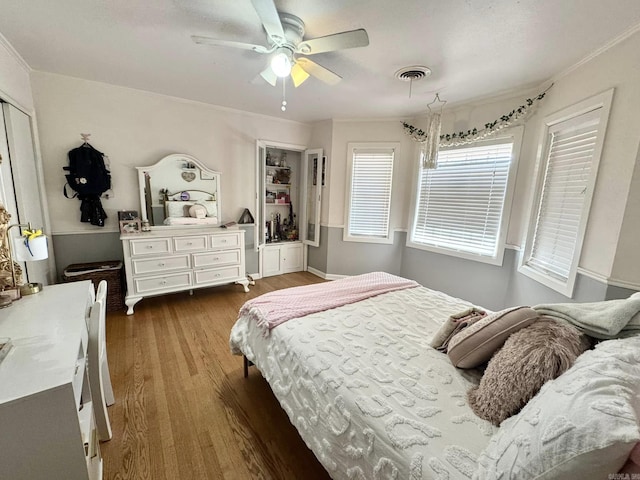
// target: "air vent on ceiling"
[[413, 73]]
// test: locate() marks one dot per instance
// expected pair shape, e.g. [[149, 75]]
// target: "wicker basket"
[[111, 271]]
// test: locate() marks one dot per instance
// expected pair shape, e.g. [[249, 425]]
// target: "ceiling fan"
[[285, 35]]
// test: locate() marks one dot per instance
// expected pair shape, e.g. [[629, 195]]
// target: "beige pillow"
[[475, 345]]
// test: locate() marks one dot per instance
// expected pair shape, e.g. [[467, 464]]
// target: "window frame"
[[514, 134], [351, 146], [600, 101]]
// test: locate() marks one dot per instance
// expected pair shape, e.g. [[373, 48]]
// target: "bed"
[[373, 400], [367, 394]]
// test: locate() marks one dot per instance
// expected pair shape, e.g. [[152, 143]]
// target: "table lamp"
[[30, 246]]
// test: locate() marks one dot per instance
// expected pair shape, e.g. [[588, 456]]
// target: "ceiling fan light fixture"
[[281, 63]]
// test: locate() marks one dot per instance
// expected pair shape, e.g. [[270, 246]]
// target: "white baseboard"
[[326, 276]]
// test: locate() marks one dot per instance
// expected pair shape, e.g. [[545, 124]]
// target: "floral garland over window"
[[475, 134]]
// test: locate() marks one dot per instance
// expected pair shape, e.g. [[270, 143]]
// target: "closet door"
[[7, 192], [27, 193]]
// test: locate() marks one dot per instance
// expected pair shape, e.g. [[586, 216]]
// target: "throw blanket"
[[453, 325], [274, 308], [604, 320]]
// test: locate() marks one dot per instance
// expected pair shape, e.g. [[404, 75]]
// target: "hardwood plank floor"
[[183, 408]]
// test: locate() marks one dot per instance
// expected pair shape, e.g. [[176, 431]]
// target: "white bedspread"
[[367, 393]]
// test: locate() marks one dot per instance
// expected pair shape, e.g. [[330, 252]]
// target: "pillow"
[[584, 424], [475, 345], [197, 211], [528, 360]]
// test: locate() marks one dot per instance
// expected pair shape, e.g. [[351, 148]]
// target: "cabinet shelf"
[[277, 168], [278, 185], [277, 204]]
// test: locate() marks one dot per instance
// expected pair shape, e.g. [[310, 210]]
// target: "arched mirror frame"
[[191, 165]]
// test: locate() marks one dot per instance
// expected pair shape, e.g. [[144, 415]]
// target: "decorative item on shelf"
[[283, 176], [32, 245], [270, 197], [146, 227], [189, 171]]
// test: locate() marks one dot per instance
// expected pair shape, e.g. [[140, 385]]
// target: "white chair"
[[99, 378]]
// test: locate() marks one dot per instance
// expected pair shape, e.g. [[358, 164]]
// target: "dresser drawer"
[[160, 264], [216, 259], [150, 245], [223, 241], [188, 244], [217, 275], [165, 282]]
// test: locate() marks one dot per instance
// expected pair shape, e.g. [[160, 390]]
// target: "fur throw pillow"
[[529, 358]]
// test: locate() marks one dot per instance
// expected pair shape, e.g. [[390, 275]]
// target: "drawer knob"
[[149, 246], [189, 243], [217, 275], [161, 264], [224, 241], [216, 258], [163, 282]]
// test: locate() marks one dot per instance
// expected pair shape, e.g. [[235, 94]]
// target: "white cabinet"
[[171, 260], [47, 426], [282, 258], [288, 200]]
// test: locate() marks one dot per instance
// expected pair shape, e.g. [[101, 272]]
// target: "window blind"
[[460, 203], [370, 202], [562, 199]]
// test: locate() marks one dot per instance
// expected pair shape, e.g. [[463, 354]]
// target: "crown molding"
[[14, 53]]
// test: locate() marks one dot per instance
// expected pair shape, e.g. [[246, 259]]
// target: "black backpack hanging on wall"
[[89, 177]]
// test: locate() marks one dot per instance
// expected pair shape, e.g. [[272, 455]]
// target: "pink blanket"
[[274, 308]]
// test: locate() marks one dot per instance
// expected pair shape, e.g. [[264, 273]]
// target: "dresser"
[[47, 427], [168, 260]]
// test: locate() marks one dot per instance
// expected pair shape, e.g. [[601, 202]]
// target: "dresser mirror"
[[179, 191]]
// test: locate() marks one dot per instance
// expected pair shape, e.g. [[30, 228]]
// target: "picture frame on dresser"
[[130, 226]]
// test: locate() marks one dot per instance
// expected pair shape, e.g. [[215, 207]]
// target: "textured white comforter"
[[367, 393]]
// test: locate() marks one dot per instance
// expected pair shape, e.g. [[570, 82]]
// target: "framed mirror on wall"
[[179, 191]]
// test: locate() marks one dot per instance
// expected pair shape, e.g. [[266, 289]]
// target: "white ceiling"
[[475, 48]]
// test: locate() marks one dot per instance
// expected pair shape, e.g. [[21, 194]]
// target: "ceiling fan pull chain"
[[284, 98]]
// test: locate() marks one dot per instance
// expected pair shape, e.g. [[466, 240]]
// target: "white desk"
[[47, 429]]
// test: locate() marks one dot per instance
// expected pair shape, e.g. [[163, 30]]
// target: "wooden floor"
[[183, 409]]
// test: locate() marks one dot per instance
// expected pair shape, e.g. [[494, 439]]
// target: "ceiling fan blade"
[[269, 75], [298, 75], [337, 41], [270, 19], [229, 43], [318, 71]]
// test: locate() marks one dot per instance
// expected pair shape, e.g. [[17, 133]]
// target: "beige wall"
[[136, 128]]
